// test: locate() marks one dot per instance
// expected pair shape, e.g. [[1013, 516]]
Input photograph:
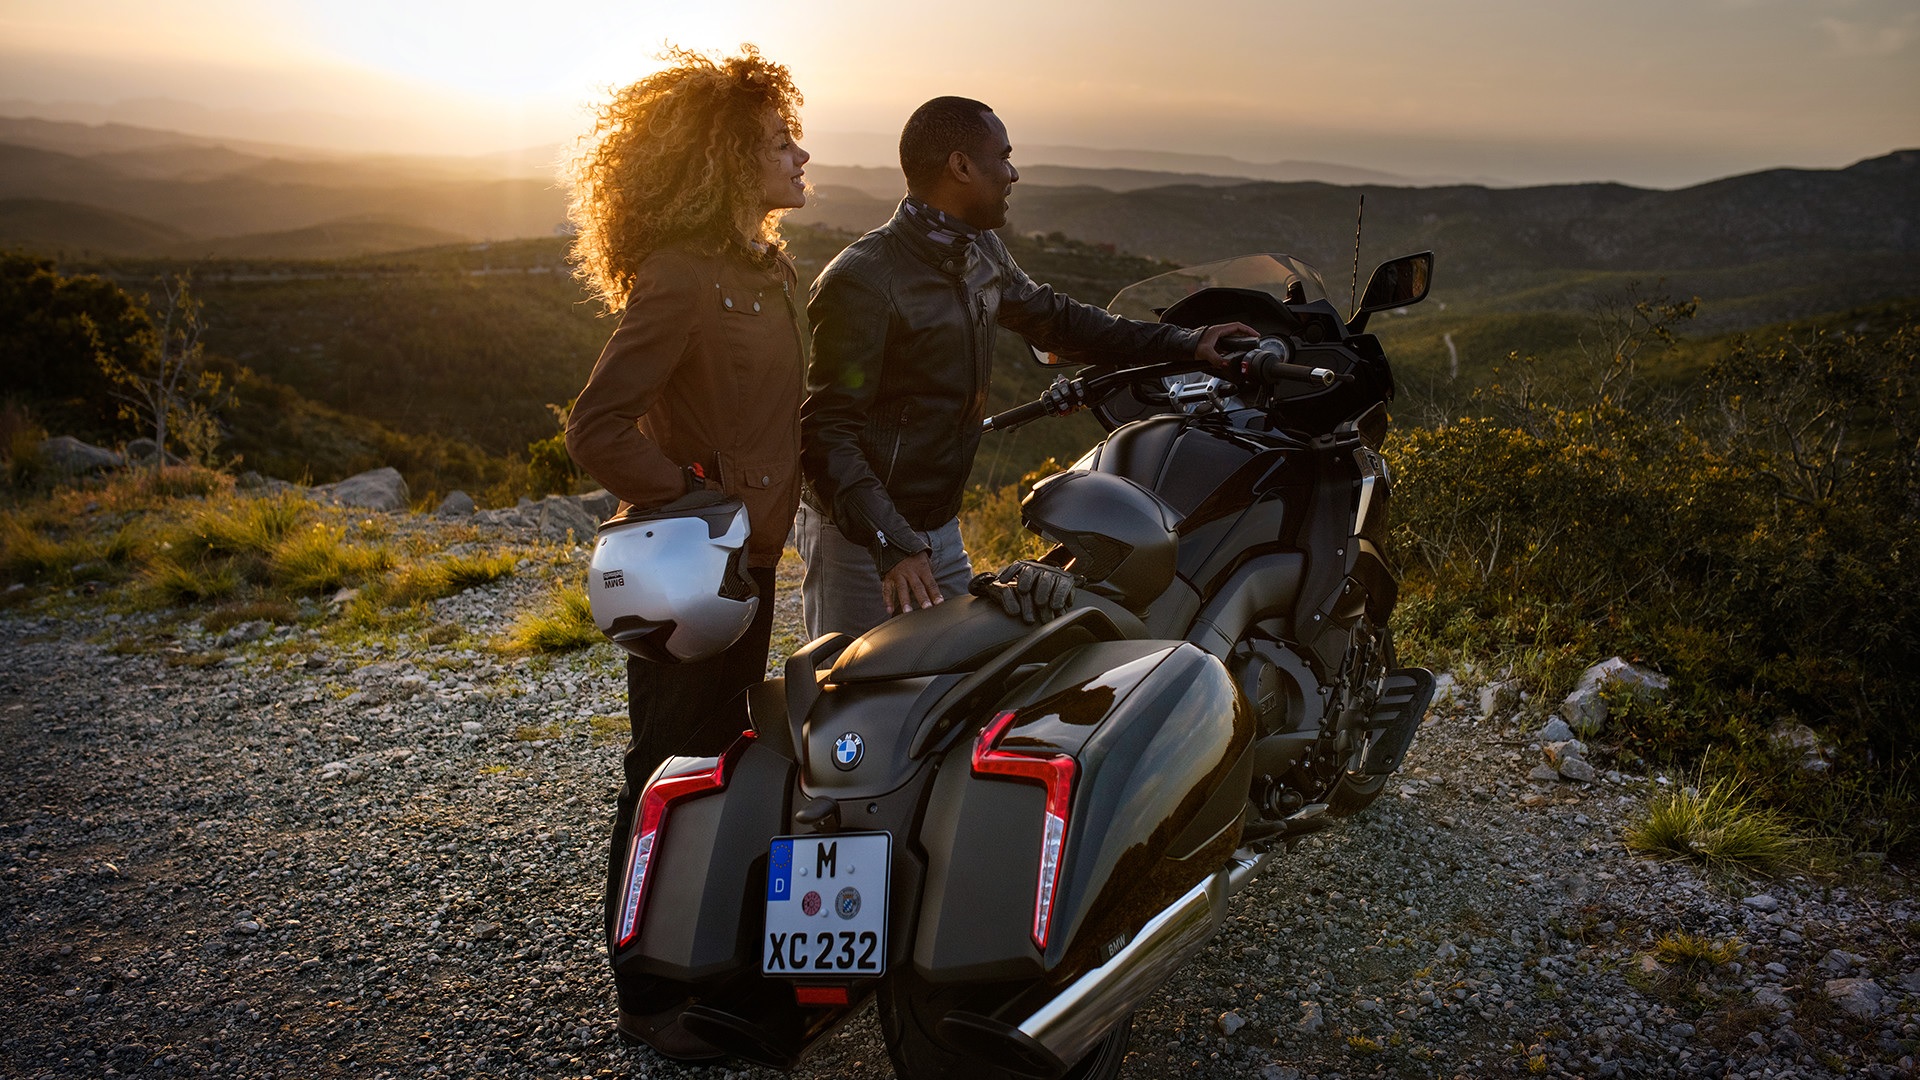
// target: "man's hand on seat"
[[1032, 590], [909, 584]]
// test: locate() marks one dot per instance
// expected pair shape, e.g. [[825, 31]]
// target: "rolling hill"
[[1757, 246], [283, 196], [360, 282], [53, 225]]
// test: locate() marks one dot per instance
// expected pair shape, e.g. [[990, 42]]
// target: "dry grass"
[[319, 560], [227, 616], [1693, 953], [562, 624], [446, 577], [240, 526], [176, 481], [27, 554], [1714, 825], [171, 582], [991, 530]]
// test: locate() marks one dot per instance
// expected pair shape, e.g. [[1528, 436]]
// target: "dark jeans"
[[694, 710]]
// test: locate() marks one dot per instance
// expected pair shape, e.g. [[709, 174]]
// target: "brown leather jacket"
[[707, 367]]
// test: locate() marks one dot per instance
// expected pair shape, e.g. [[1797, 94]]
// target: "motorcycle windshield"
[[1288, 279]]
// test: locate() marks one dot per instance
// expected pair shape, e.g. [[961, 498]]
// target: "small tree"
[[166, 387], [550, 467]]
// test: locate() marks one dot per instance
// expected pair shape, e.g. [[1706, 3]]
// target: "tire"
[[907, 1025], [1353, 793]]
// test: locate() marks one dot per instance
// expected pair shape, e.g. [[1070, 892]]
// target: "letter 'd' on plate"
[[827, 905]]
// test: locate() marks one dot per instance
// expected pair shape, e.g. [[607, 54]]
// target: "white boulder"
[[377, 489], [1585, 709]]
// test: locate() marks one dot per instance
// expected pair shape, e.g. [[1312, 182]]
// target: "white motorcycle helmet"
[[667, 584]]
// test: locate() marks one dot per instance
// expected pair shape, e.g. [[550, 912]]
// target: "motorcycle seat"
[[949, 638]]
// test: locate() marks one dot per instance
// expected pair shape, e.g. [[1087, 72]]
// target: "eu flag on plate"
[[780, 871]]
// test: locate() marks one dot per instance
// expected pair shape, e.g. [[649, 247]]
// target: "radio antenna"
[[1353, 289]]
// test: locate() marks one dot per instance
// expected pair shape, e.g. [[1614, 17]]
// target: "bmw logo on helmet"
[[848, 749]]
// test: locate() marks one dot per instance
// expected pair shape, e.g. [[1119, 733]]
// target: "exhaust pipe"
[[1069, 1025]]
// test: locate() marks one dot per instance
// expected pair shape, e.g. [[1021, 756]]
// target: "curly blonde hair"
[[676, 158]]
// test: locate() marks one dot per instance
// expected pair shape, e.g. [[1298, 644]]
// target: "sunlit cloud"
[[1859, 38], [1643, 90]]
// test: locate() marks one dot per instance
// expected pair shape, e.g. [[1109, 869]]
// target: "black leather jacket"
[[903, 336]]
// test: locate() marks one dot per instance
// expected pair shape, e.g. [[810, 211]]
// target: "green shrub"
[[549, 466], [990, 525], [1757, 543], [20, 439]]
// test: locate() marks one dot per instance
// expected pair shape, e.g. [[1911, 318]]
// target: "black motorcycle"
[[1008, 834]]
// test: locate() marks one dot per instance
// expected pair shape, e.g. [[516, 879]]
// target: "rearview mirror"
[[1397, 283]]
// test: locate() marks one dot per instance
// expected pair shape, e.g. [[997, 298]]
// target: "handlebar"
[[1270, 360], [1254, 360], [1089, 390]]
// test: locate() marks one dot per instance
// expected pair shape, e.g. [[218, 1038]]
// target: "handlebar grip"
[[1273, 369], [1015, 416]]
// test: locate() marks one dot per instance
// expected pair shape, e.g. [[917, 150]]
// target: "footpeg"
[[1403, 704]]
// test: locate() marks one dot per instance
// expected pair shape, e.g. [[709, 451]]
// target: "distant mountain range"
[[1781, 241], [1789, 241]]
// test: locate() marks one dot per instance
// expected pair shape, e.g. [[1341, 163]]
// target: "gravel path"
[[293, 857]]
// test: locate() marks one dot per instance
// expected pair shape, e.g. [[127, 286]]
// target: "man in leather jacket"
[[903, 339]]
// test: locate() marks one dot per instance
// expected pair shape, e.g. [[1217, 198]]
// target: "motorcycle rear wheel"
[[907, 1026]]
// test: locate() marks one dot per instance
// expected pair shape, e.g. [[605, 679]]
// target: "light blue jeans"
[[841, 590]]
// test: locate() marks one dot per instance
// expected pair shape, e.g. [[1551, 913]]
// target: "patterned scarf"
[[940, 227]]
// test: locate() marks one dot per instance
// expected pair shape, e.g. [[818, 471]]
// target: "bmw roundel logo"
[[848, 749]]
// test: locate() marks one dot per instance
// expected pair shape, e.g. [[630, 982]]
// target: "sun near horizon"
[[1645, 92]]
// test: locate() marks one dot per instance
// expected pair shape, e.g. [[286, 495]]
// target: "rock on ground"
[[376, 489], [68, 455]]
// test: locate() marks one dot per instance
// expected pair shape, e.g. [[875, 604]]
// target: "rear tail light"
[[1055, 773], [820, 995], [649, 821]]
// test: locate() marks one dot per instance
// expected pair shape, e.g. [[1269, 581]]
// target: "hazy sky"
[[1660, 92]]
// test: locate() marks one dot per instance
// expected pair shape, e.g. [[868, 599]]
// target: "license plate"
[[827, 905]]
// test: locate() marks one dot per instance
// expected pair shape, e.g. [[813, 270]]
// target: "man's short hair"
[[935, 131]]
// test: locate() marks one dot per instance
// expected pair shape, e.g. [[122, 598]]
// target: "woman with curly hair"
[[678, 194]]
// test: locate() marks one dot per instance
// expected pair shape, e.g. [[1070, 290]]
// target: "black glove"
[[1065, 395], [1032, 590]]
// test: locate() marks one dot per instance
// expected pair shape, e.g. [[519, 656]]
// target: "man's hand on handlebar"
[[1210, 340], [1065, 395]]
